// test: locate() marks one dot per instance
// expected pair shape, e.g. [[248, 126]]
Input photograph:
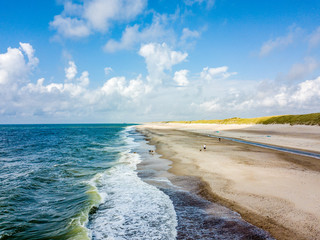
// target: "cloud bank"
[[161, 95]]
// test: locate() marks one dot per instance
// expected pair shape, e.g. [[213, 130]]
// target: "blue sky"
[[86, 61]]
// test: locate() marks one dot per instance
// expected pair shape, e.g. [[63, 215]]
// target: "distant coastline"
[[301, 119]]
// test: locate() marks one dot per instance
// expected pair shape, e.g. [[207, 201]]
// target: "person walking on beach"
[[204, 147]]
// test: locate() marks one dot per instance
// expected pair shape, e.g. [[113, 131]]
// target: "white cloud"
[[12, 64], [307, 91], [84, 79], [159, 57], [73, 98], [188, 37], [100, 13], [72, 89], [70, 27], [268, 98], [14, 67], [81, 20], [279, 42], [314, 38], [237, 98], [28, 49], [130, 37], [120, 99], [116, 84], [304, 95], [134, 89], [215, 73], [187, 34], [156, 32], [180, 77], [300, 70], [71, 71]]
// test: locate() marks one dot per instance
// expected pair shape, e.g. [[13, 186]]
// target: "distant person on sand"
[[204, 147]]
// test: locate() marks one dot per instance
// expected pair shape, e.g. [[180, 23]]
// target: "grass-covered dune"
[[304, 119]]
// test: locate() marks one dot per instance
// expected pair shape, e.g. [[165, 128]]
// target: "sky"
[[117, 61]]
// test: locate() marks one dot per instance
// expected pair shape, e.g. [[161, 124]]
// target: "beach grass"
[[303, 119]]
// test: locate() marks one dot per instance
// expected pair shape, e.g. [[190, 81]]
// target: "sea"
[[99, 181]]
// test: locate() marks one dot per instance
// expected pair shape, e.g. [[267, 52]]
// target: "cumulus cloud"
[[29, 51], [118, 85], [180, 77], [71, 71], [236, 98], [14, 67], [159, 57], [119, 98], [266, 97], [70, 27], [307, 91], [81, 20], [215, 73], [304, 95], [22, 98], [73, 86], [84, 79], [279, 42], [136, 34]]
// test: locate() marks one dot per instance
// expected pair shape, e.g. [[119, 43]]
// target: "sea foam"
[[130, 208]]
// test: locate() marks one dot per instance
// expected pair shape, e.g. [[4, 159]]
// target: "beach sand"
[[276, 191]]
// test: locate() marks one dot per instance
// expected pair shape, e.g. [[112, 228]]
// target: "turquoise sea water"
[[53, 178], [83, 182]]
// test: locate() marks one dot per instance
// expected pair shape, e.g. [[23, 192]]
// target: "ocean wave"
[[129, 208]]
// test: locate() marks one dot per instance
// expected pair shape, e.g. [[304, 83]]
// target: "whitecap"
[[130, 208]]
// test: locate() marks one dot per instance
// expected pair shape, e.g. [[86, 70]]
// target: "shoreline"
[[198, 217], [267, 193]]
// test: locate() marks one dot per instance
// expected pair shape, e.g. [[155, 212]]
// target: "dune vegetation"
[[303, 119]]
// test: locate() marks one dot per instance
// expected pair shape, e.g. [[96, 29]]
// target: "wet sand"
[[276, 191]]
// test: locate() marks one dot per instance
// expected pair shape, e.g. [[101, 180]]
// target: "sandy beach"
[[276, 191]]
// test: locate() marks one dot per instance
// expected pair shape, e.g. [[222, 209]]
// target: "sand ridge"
[[273, 190]]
